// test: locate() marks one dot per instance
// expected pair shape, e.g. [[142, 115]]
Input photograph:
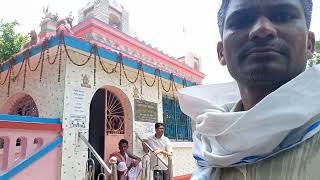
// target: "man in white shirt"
[[273, 131], [162, 147]]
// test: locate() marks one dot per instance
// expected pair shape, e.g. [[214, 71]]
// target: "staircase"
[[105, 172]]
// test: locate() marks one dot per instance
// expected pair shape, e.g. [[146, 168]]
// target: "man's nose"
[[263, 30]]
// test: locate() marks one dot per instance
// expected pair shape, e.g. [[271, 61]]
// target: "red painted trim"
[[93, 25], [184, 177], [31, 126]]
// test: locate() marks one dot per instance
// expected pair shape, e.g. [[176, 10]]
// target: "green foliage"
[[318, 46], [10, 41], [316, 57]]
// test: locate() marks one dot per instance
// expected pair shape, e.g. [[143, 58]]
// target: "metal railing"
[[167, 165], [90, 165]]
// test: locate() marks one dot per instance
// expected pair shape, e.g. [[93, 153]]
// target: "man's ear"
[[221, 58], [310, 44]]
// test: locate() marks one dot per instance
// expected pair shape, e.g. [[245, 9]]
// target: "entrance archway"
[[110, 120], [20, 104]]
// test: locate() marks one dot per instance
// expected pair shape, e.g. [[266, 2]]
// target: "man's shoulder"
[[150, 137], [115, 154], [166, 138]]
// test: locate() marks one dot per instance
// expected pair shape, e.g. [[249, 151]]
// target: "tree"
[[10, 41], [316, 57]]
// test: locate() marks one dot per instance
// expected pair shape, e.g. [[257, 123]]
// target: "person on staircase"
[[129, 165], [161, 147]]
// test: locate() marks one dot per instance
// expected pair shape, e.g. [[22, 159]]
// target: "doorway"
[[110, 121]]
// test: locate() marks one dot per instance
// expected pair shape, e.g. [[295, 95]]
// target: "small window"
[[18, 142], [4, 142], [38, 142], [21, 148], [1, 143]]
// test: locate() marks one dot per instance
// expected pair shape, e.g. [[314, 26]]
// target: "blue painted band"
[[198, 158], [28, 119], [27, 162], [86, 46]]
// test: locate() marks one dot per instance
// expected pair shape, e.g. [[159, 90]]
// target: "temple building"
[[90, 80]]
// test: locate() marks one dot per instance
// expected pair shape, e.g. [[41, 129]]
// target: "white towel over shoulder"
[[223, 139]]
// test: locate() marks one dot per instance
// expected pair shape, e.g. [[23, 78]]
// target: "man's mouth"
[[262, 51]]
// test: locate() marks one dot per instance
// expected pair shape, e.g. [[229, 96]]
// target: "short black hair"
[[307, 7], [157, 125], [123, 141]]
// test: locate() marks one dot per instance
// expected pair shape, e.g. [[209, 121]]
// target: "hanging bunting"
[[94, 51]]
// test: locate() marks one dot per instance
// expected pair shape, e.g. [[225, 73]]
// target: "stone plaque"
[[145, 111], [77, 121]]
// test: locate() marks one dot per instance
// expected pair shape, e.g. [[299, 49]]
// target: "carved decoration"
[[33, 39], [85, 81]]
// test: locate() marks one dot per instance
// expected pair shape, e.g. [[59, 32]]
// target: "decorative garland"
[[95, 52], [5, 79], [156, 75], [14, 77], [26, 55]]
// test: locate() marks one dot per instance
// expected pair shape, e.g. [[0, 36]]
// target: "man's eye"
[[282, 17], [241, 22]]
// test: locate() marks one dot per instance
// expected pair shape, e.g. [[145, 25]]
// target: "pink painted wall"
[[12, 154], [46, 168]]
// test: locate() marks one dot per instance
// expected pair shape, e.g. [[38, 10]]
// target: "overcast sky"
[[158, 22]]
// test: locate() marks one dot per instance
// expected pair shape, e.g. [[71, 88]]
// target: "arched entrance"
[[110, 120], [20, 104]]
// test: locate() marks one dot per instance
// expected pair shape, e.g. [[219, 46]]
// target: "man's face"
[[160, 131], [123, 148], [265, 41]]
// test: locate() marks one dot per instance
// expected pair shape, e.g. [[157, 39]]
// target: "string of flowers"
[[174, 87], [60, 61], [162, 84], [174, 84], [56, 54], [120, 71], [126, 75], [158, 72], [38, 63], [42, 60], [141, 85], [156, 75], [11, 73], [14, 77], [5, 79], [26, 56], [105, 69], [9, 78], [93, 51]]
